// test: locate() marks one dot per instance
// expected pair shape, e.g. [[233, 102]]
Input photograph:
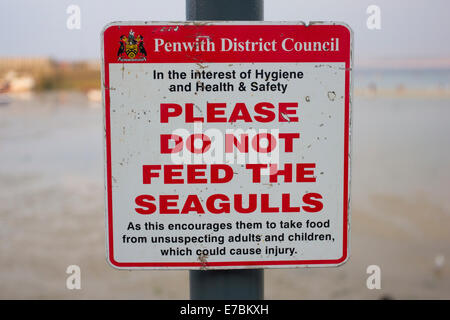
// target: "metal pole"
[[226, 284], [244, 10]]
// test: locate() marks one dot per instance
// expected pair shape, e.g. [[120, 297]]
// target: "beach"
[[52, 205]]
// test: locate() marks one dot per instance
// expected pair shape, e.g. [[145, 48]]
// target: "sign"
[[227, 144]]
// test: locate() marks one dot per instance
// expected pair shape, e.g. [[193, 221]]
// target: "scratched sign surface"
[[227, 145]]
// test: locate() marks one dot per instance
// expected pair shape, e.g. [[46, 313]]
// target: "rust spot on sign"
[[203, 258]]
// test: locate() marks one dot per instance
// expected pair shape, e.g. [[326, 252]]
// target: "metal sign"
[[227, 144]]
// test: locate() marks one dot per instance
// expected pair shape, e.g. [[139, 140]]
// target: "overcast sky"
[[410, 29]]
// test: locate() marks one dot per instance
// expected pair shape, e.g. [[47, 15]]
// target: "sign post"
[[227, 147], [226, 284]]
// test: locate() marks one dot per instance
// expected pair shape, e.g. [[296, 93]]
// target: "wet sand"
[[52, 212]]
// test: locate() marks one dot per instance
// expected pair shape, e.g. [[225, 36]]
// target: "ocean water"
[[402, 78], [401, 146]]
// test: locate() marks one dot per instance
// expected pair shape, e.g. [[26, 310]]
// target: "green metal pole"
[[226, 284]]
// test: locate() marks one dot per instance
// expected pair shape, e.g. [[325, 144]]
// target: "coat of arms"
[[131, 48]]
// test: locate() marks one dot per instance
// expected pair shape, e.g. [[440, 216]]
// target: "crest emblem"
[[131, 48]]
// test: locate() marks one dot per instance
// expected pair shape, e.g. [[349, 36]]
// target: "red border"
[[110, 39]]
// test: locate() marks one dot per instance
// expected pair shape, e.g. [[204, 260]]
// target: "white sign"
[[227, 145]]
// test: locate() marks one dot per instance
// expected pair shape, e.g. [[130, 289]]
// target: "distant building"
[[37, 65]]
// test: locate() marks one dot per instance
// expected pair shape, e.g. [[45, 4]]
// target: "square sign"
[[227, 144]]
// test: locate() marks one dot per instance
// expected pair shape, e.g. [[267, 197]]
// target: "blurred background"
[[51, 152]]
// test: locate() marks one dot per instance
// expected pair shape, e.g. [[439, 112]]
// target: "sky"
[[411, 30]]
